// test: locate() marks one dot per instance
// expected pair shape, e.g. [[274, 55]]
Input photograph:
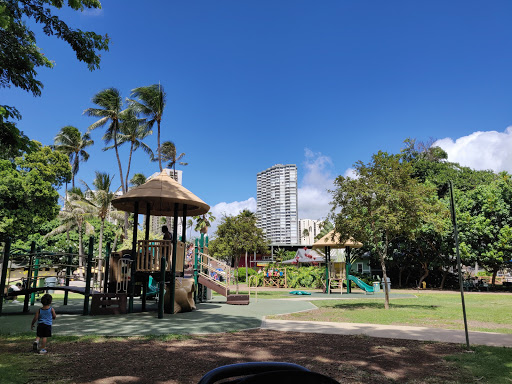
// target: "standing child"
[[44, 317]]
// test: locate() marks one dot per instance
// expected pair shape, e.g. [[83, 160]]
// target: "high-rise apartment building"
[[308, 229], [276, 206]]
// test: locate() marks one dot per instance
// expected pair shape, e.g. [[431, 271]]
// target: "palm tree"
[[111, 104], [101, 199], [168, 153], [131, 130], [203, 222], [150, 103], [70, 141], [75, 214], [190, 224], [138, 179]]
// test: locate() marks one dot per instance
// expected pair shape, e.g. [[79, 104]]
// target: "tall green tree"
[[381, 204], [101, 199], [485, 220], [237, 235], [20, 56], [132, 130], [110, 111], [73, 143], [151, 103], [28, 190]]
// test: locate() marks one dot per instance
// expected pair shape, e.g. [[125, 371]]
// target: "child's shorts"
[[44, 330]]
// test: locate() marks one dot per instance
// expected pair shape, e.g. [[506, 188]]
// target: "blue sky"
[[320, 84]]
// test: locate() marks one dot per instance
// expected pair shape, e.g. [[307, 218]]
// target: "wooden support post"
[[107, 268], [133, 257], [88, 276], [184, 237], [174, 249], [3, 276], [69, 260], [29, 275]]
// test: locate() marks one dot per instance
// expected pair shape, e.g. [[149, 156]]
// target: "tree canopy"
[[27, 187], [19, 54], [381, 204]]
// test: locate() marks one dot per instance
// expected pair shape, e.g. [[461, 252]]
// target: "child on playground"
[[44, 318]]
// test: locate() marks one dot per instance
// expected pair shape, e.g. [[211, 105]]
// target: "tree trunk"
[[126, 224], [117, 156], [400, 271], [424, 266], [445, 275], [236, 273], [246, 270], [494, 273], [129, 164], [159, 149], [115, 243], [385, 279]]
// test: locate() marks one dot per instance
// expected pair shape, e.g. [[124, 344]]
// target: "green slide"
[[361, 284]]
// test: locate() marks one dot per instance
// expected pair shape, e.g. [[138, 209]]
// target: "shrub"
[[241, 273]]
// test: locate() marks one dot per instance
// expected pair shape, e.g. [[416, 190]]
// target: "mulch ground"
[[348, 359]]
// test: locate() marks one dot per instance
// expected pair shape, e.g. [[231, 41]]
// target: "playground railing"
[[215, 270], [150, 252]]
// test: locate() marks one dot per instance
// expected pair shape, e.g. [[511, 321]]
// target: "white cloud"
[[234, 208], [481, 150], [350, 172], [230, 209], [314, 197], [92, 12]]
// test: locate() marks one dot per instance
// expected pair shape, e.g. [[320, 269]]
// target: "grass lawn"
[[485, 312]]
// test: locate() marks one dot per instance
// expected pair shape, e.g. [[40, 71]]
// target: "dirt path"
[[348, 359]]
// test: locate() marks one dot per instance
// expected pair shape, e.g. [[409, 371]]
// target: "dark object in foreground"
[[265, 372]]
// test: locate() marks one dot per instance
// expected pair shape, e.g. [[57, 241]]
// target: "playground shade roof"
[[161, 192], [333, 240]]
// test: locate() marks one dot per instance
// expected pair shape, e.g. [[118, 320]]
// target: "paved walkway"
[[217, 316], [390, 332]]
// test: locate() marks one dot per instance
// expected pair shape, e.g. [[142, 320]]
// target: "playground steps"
[[108, 304], [238, 299], [213, 285], [224, 291]]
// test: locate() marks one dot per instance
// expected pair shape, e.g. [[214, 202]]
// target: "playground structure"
[[338, 271], [215, 275], [35, 280], [275, 277], [157, 266]]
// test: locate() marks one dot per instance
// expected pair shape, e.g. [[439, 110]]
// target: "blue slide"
[[361, 284]]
